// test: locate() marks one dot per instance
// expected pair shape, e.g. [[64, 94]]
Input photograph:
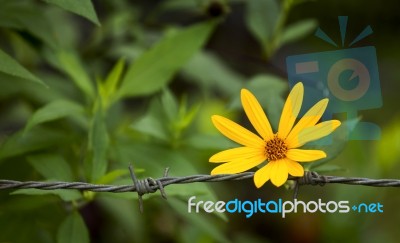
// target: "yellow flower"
[[280, 149]]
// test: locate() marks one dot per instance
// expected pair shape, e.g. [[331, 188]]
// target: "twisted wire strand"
[[150, 185]]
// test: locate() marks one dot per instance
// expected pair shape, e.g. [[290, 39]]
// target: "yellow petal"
[[256, 115], [291, 110], [238, 166], [313, 133], [303, 155], [294, 168], [262, 175], [236, 154], [236, 132], [309, 119], [279, 172]]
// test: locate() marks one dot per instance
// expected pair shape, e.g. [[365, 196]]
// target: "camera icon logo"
[[359, 70], [348, 77]]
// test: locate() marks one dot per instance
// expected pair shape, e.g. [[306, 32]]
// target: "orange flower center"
[[275, 149]]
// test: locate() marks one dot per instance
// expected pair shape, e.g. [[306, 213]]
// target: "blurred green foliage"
[[87, 88]]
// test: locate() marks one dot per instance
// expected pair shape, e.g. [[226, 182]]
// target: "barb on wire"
[[144, 186], [150, 185]]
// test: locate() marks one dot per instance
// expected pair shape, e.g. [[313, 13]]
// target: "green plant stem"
[[274, 43]]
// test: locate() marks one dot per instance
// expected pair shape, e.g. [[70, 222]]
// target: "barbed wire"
[[150, 185]]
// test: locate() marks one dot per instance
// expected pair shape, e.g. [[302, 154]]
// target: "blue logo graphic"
[[348, 77]]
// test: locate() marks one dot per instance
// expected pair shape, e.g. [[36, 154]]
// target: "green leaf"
[[10, 66], [73, 230], [55, 110], [108, 88], [198, 219], [52, 167], [67, 195], [33, 140], [69, 63], [261, 19], [154, 68], [188, 117], [35, 22], [111, 176], [27, 16], [298, 30], [68, 37], [98, 146], [112, 80], [207, 70], [268, 90], [83, 8], [59, 88], [336, 143], [151, 126], [152, 122], [170, 105]]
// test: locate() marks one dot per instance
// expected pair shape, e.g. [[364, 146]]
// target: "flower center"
[[275, 149]]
